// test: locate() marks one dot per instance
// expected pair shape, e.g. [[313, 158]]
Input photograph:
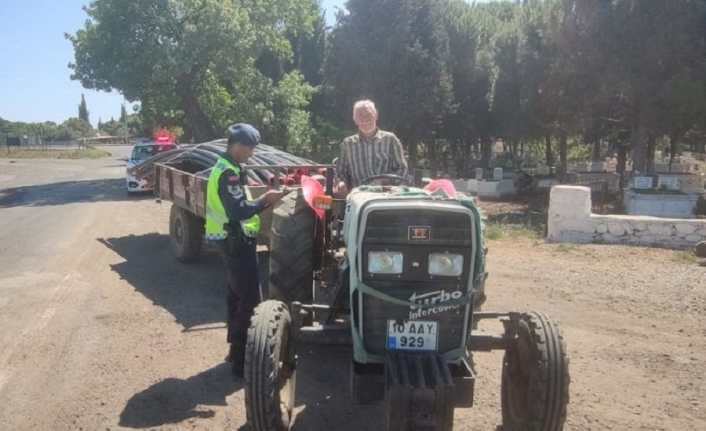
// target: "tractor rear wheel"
[[185, 235], [535, 377], [270, 368], [292, 250]]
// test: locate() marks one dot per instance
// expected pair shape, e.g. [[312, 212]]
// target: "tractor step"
[[419, 393]]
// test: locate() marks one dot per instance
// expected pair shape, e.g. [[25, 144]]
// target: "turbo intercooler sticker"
[[431, 298]]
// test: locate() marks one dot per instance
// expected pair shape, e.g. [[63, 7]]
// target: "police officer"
[[232, 221]]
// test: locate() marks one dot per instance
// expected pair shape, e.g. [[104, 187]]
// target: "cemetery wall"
[[570, 221]]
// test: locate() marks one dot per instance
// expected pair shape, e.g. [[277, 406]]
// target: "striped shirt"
[[360, 159]]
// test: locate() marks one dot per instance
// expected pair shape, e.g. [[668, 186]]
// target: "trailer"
[[176, 183]]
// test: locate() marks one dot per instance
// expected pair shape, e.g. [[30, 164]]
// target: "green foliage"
[[23, 153], [496, 231], [405, 48], [189, 62], [123, 114], [684, 257], [444, 73], [74, 128], [578, 153], [566, 247], [83, 110]]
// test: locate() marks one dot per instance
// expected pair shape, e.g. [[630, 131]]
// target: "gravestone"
[[661, 168], [642, 183], [543, 170], [597, 167], [669, 183], [497, 174], [479, 174]]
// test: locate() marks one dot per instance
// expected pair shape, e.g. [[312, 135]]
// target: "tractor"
[[397, 270]]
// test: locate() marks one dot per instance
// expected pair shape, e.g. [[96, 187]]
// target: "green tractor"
[[399, 272]]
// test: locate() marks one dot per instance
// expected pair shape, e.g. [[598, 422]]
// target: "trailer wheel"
[[270, 368], [292, 250], [185, 235], [535, 377]]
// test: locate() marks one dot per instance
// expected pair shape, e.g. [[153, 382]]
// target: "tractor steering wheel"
[[391, 178]]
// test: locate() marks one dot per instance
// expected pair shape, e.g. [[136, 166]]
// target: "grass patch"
[[513, 225], [685, 257], [502, 230], [90, 153], [566, 247]]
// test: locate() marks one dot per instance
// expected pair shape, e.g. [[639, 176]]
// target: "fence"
[[597, 183]]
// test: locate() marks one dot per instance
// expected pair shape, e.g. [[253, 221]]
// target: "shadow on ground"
[[105, 190], [193, 293], [323, 392], [323, 400], [176, 400]]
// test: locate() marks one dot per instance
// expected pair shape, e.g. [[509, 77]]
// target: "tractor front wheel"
[[270, 368], [535, 377]]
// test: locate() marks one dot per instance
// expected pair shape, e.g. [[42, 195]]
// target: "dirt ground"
[[110, 332]]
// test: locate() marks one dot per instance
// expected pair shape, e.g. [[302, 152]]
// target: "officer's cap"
[[245, 134]]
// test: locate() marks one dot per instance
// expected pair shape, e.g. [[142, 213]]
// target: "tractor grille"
[[393, 227], [397, 230], [376, 313]]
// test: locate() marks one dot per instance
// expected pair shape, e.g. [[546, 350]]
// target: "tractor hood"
[[399, 198], [411, 223]]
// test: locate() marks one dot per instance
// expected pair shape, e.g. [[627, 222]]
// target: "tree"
[[405, 71], [123, 113], [82, 110], [641, 58], [74, 128], [192, 59], [470, 66]]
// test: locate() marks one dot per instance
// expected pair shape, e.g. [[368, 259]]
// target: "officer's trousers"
[[240, 258]]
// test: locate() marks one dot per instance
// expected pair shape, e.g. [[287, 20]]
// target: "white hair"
[[363, 104]]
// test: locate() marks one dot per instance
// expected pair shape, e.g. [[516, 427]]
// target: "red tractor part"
[[315, 196], [446, 185]]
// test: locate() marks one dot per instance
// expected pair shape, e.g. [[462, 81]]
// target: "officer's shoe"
[[236, 355], [238, 368]]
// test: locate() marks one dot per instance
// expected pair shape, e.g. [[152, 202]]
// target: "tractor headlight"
[[385, 262], [449, 265]]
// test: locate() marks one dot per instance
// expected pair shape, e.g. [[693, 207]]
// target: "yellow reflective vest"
[[216, 217]]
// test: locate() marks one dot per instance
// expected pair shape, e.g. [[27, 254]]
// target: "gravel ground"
[[101, 329]]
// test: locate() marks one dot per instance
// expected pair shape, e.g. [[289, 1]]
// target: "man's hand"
[[341, 189], [270, 197]]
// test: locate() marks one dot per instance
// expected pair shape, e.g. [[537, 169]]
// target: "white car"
[[141, 152]]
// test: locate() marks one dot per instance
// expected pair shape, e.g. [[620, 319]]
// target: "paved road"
[[103, 329]]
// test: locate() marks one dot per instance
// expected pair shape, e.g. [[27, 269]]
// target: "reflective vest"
[[216, 217]]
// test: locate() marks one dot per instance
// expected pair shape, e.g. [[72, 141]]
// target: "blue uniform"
[[239, 254]]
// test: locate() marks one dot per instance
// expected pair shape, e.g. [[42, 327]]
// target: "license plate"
[[412, 335]]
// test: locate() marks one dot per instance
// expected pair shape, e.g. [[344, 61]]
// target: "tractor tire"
[[185, 235], [270, 368], [535, 377], [292, 250]]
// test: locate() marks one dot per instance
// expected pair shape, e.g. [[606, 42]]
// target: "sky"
[[35, 81]]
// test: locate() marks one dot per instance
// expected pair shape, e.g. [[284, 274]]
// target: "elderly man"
[[369, 152]]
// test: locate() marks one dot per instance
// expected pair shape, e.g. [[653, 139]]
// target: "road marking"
[[44, 319], [5, 377], [6, 371]]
